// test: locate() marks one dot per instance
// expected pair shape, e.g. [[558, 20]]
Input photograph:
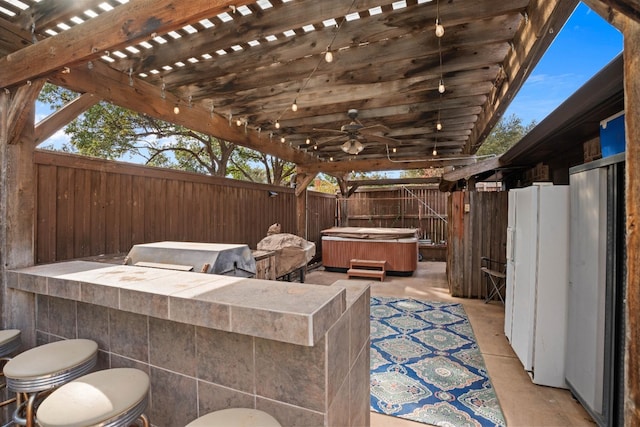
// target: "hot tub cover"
[[371, 233]]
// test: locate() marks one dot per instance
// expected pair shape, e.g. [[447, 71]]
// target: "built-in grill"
[[212, 258]]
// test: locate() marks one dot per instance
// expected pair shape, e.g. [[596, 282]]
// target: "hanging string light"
[[328, 57], [441, 87], [439, 26]]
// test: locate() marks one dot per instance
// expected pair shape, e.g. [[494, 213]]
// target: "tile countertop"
[[295, 313]]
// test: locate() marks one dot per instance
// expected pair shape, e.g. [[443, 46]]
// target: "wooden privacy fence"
[[423, 207], [88, 207], [477, 228]]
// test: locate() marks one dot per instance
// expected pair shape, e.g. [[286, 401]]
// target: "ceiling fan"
[[356, 134]]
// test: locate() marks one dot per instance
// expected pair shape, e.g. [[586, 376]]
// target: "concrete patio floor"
[[523, 403]]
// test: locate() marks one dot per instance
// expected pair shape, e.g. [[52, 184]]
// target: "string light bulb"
[[307, 141], [294, 106], [438, 126], [328, 56], [238, 122], [441, 87], [394, 149], [439, 28], [277, 124], [435, 152], [176, 110], [282, 140]]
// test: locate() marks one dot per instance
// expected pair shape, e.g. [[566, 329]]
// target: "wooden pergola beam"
[[60, 118], [378, 164], [135, 21], [115, 87], [20, 107]]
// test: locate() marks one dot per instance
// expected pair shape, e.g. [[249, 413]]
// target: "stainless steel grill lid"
[[212, 258]]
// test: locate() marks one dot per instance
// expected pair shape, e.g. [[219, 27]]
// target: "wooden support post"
[[17, 208], [302, 182], [631, 31], [343, 219]]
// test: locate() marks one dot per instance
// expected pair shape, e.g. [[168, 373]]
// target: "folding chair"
[[495, 272]]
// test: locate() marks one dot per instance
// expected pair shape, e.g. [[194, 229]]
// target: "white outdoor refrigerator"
[[537, 280]]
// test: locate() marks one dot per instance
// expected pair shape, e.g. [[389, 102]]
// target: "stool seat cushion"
[[9, 341], [94, 398], [50, 358], [235, 417], [8, 335]]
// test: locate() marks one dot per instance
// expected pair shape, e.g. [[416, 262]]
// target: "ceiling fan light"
[[352, 146]]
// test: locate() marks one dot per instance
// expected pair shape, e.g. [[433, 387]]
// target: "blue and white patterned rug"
[[426, 365]]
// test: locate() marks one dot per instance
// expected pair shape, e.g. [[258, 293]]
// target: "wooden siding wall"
[[88, 207], [424, 208], [480, 232]]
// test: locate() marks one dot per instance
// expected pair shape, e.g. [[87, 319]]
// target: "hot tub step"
[[367, 268]]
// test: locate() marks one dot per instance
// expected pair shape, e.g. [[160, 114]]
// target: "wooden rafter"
[[57, 120], [142, 97], [135, 21]]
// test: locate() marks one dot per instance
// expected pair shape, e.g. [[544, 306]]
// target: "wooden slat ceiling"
[[249, 61]]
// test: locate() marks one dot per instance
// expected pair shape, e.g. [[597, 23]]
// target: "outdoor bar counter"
[[297, 351]]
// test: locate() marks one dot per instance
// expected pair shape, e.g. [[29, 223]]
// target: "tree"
[[112, 132], [274, 170], [504, 135]]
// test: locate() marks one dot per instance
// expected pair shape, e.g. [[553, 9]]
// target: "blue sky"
[[584, 45]]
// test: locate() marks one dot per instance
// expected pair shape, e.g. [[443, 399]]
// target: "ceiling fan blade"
[[328, 140], [374, 128], [334, 131]]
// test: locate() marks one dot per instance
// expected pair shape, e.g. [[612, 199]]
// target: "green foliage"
[[112, 132], [504, 135]]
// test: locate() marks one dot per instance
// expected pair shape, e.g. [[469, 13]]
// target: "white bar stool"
[[43, 368], [113, 397], [9, 343], [235, 417]]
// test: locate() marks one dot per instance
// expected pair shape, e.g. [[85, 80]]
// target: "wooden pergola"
[[234, 69]]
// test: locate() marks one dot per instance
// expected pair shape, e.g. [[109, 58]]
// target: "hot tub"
[[397, 246]]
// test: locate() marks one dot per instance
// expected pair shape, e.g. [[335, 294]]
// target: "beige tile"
[[172, 346], [199, 313], [291, 373], [106, 296], [213, 397], [225, 359], [338, 413], [360, 396], [62, 318], [174, 398], [128, 335], [338, 357], [360, 325], [286, 327], [42, 313], [63, 288], [93, 324], [291, 416], [144, 303]]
